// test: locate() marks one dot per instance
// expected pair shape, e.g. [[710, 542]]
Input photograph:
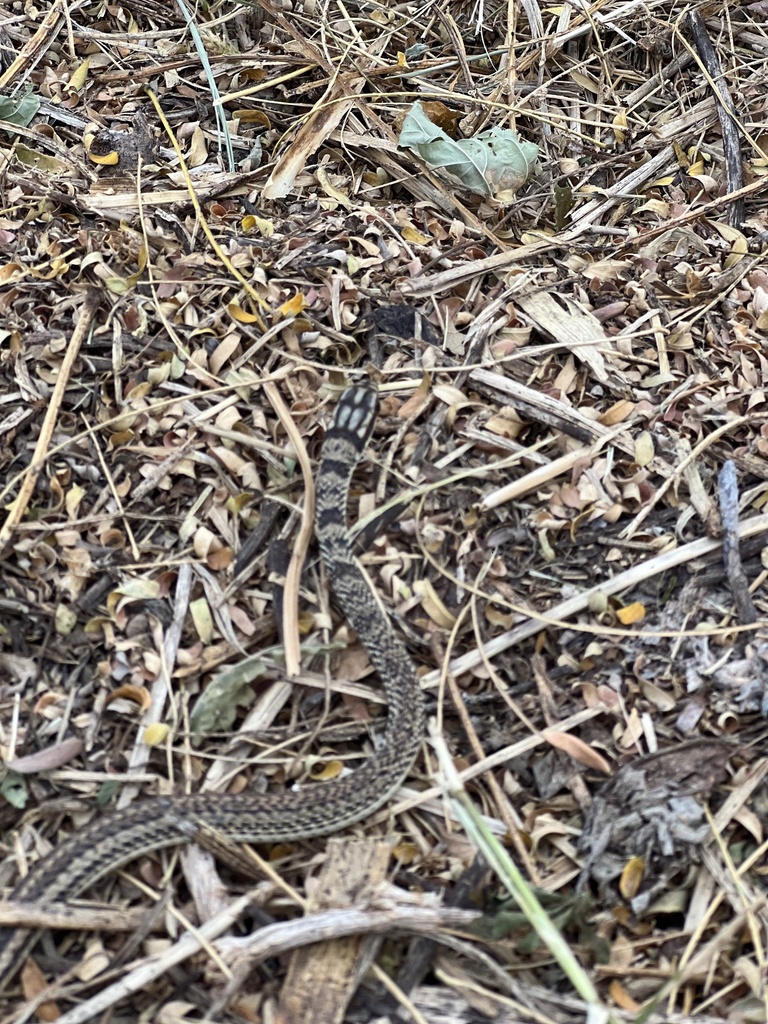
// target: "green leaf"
[[107, 792], [14, 789], [493, 163], [19, 110], [217, 706], [564, 202]]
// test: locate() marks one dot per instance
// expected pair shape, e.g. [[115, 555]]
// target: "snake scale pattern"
[[115, 838]]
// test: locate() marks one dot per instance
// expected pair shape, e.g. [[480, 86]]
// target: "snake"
[[119, 836]]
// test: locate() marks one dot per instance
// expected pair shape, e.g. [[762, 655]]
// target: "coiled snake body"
[[114, 839]]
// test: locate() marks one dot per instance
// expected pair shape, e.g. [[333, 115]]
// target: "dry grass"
[[587, 358]]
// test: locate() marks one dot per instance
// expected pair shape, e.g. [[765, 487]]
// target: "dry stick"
[[726, 112], [291, 640], [728, 495], [161, 690], [629, 531], [154, 967], [269, 941], [558, 615], [419, 287], [35, 47], [424, 184], [21, 914], [19, 506]]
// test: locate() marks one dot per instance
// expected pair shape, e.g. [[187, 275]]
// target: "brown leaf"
[[48, 759], [33, 983], [577, 749], [138, 694], [622, 998]]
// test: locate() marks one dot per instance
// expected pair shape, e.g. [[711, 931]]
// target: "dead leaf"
[[47, 759], [577, 749]]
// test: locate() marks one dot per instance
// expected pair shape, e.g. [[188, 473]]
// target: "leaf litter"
[[564, 372]]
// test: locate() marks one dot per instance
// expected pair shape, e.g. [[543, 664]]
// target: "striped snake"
[[113, 839]]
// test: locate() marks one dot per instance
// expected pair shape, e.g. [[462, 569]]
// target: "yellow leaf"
[[237, 502], [202, 619], [739, 247], [631, 614], [411, 234], [680, 155], [732, 235], [107, 160], [619, 126], [432, 604], [657, 206], [266, 228], [65, 620], [241, 315], [9, 270], [293, 306], [72, 501], [585, 81], [155, 734], [78, 78], [330, 771], [631, 877], [666, 180], [674, 901], [140, 391], [644, 448], [531, 237], [331, 190], [140, 589], [31, 158], [406, 853], [117, 285]]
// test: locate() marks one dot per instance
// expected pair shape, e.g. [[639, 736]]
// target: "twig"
[[21, 914], [558, 615], [291, 600], [155, 967], [161, 690], [726, 112], [728, 495], [19, 506]]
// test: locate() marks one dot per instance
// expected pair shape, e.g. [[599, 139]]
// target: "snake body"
[[115, 838]]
